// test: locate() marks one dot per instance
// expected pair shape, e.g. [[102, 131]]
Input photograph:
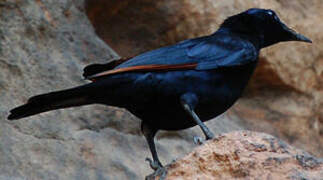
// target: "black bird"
[[179, 86]]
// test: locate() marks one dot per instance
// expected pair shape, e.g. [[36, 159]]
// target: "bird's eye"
[[273, 15]]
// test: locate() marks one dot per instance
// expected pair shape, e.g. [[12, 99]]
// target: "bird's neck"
[[256, 40]]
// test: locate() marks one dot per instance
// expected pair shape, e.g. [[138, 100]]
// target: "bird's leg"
[[155, 164], [208, 134], [189, 101], [149, 134]]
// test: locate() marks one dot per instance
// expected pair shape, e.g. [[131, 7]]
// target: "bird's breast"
[[156, 95]]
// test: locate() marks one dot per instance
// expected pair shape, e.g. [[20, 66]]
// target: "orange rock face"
[[285, 95], [245, 155]]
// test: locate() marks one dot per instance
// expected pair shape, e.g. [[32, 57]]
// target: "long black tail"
[[55, 100]]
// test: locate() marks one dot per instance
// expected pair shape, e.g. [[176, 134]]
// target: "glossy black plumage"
[[178, 86]]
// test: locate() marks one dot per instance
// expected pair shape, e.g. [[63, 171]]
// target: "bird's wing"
[[225, 53], [203, 53], [93, 69]]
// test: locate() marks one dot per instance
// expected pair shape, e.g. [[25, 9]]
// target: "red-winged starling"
[[179, 86]]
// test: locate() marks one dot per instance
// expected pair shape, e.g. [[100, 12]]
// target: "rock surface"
[[285, 96], [245, 155]]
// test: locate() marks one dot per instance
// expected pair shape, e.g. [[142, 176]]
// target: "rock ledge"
[[244, 155]]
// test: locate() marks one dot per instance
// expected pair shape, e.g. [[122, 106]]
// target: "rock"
[[245, 155], [285, 95]]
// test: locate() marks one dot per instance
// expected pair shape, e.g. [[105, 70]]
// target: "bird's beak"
[[294, 36]]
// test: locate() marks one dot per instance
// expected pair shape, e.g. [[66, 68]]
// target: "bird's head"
[[263, 25]]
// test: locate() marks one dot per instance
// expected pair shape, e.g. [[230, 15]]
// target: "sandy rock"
[[245, 155]]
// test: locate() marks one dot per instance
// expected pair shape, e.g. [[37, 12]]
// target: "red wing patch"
[[94, 69], [145, 68]]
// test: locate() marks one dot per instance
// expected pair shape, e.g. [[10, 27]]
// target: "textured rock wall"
[[285, 96]]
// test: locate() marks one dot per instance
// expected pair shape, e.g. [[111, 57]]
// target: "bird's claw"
[[198, 140], [160, 171], [153, 164], [209, 135]]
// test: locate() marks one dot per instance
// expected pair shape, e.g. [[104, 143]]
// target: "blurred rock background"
[[44, 44]]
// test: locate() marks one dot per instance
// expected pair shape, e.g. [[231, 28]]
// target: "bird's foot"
[[209, 135], [198, 140], [155, 165], [160, 171], [158, 174]]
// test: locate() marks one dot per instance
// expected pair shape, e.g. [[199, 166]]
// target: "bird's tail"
[[55, 100]]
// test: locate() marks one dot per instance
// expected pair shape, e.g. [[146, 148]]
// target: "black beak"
[[294, 36]]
